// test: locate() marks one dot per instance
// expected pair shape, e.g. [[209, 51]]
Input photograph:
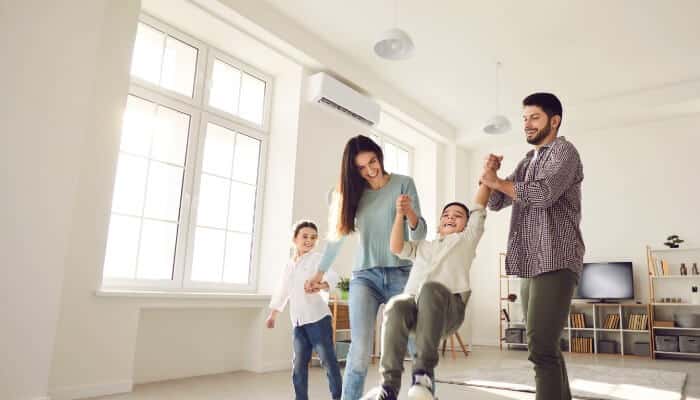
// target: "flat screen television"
[[604, 281]]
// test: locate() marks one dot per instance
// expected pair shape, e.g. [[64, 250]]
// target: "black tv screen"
[[606, 280]]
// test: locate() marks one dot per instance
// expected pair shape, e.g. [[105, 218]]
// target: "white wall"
[[639, 187], [48, 74]]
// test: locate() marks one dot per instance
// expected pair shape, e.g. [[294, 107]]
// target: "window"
[[397, 157], [185, 206]]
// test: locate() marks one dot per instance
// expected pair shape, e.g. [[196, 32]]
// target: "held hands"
[[403, 205], [315, 284], [492, 161], [491, 164]]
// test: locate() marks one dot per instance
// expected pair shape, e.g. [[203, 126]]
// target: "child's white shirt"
[[304, 308], [446, 260]]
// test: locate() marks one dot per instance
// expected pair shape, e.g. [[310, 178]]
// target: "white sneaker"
[[422, 388]]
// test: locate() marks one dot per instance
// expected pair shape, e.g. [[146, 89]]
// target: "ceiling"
[[593, 54]]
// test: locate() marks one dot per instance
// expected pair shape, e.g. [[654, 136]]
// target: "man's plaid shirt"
[[544, 226]]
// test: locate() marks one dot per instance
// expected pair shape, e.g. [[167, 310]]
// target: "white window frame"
[[256, 234], [385, 138], [200, 114], [244, 68]]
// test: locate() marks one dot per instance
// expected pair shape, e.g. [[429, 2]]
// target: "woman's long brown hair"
[[351, 183]]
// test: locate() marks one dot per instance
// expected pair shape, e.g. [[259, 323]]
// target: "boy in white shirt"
[[435, 297], [310, 314]]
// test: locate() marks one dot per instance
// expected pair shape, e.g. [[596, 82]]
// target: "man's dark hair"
[[548, 102]]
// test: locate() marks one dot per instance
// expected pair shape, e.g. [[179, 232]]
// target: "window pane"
[[170, 136], [157, 250], [163, 191], [242, 209], [208, 259], [179, 64], [237, 265], [148, 50], [122, 247], [245, 160], [252, 99], [213, 201], [137, 126], [218, 151], [390, 157], [130, 185], [225, 87]]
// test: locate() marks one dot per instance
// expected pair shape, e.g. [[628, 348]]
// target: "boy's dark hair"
[[456, 203], [548, 102], [303, 224]]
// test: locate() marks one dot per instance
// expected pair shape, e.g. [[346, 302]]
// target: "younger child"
[[434, 300], [310, 314]]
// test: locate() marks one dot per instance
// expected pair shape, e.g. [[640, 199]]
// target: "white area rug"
[[586, 381]]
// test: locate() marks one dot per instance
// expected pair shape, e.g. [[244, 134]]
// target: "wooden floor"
[[277, 385]]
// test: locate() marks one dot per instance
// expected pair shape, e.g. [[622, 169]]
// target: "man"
[[545, 246]]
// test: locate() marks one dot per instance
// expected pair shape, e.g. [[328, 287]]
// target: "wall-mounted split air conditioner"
[[328, 91]]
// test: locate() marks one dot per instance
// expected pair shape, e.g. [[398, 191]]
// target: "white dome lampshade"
[[497, 125], [394, 44]]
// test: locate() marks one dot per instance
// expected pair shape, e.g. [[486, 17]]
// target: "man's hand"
[[493, 161], [403, 205], [489, 178]]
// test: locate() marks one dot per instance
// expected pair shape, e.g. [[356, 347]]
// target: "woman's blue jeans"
[[369, 288]]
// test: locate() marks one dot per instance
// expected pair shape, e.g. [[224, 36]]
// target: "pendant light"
[[394, 44], [497, 124]]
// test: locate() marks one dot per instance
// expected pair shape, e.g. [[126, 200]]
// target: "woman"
[[366, 202]]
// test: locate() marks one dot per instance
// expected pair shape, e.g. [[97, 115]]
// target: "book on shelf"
[[665, 269]]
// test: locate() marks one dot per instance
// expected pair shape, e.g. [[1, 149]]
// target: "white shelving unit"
[[595, 315], [673, 286]]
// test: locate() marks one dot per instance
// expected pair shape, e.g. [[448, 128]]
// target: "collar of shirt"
[[536, 152]]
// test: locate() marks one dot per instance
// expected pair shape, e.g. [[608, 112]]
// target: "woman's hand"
[[403, 205], [310, 286], [270, 322]]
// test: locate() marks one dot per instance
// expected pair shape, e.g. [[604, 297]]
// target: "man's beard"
[[541, 134]]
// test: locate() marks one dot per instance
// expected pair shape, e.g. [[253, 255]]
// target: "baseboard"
[[85, 391]]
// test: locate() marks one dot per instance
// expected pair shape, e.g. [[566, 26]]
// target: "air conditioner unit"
[[326, 90]]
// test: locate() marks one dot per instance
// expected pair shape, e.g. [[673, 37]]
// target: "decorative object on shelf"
[[695, 269], [664, 324], [512, 297], [664, 267], [344, 286], [694, 295], [673, 241], [684, 270]]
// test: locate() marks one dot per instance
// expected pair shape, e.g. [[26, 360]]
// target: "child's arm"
[[270, 322], [279, 298], [482, 195]]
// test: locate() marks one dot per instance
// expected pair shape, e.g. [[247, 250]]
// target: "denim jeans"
[[315, 336], [369, 288]]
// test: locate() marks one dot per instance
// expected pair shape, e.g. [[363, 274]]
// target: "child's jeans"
[[434, 315], [315, 336]]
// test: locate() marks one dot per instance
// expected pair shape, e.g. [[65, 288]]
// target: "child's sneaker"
[[422, 388], [380, 393]]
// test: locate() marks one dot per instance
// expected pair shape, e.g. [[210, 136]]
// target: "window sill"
[[187, 299]]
